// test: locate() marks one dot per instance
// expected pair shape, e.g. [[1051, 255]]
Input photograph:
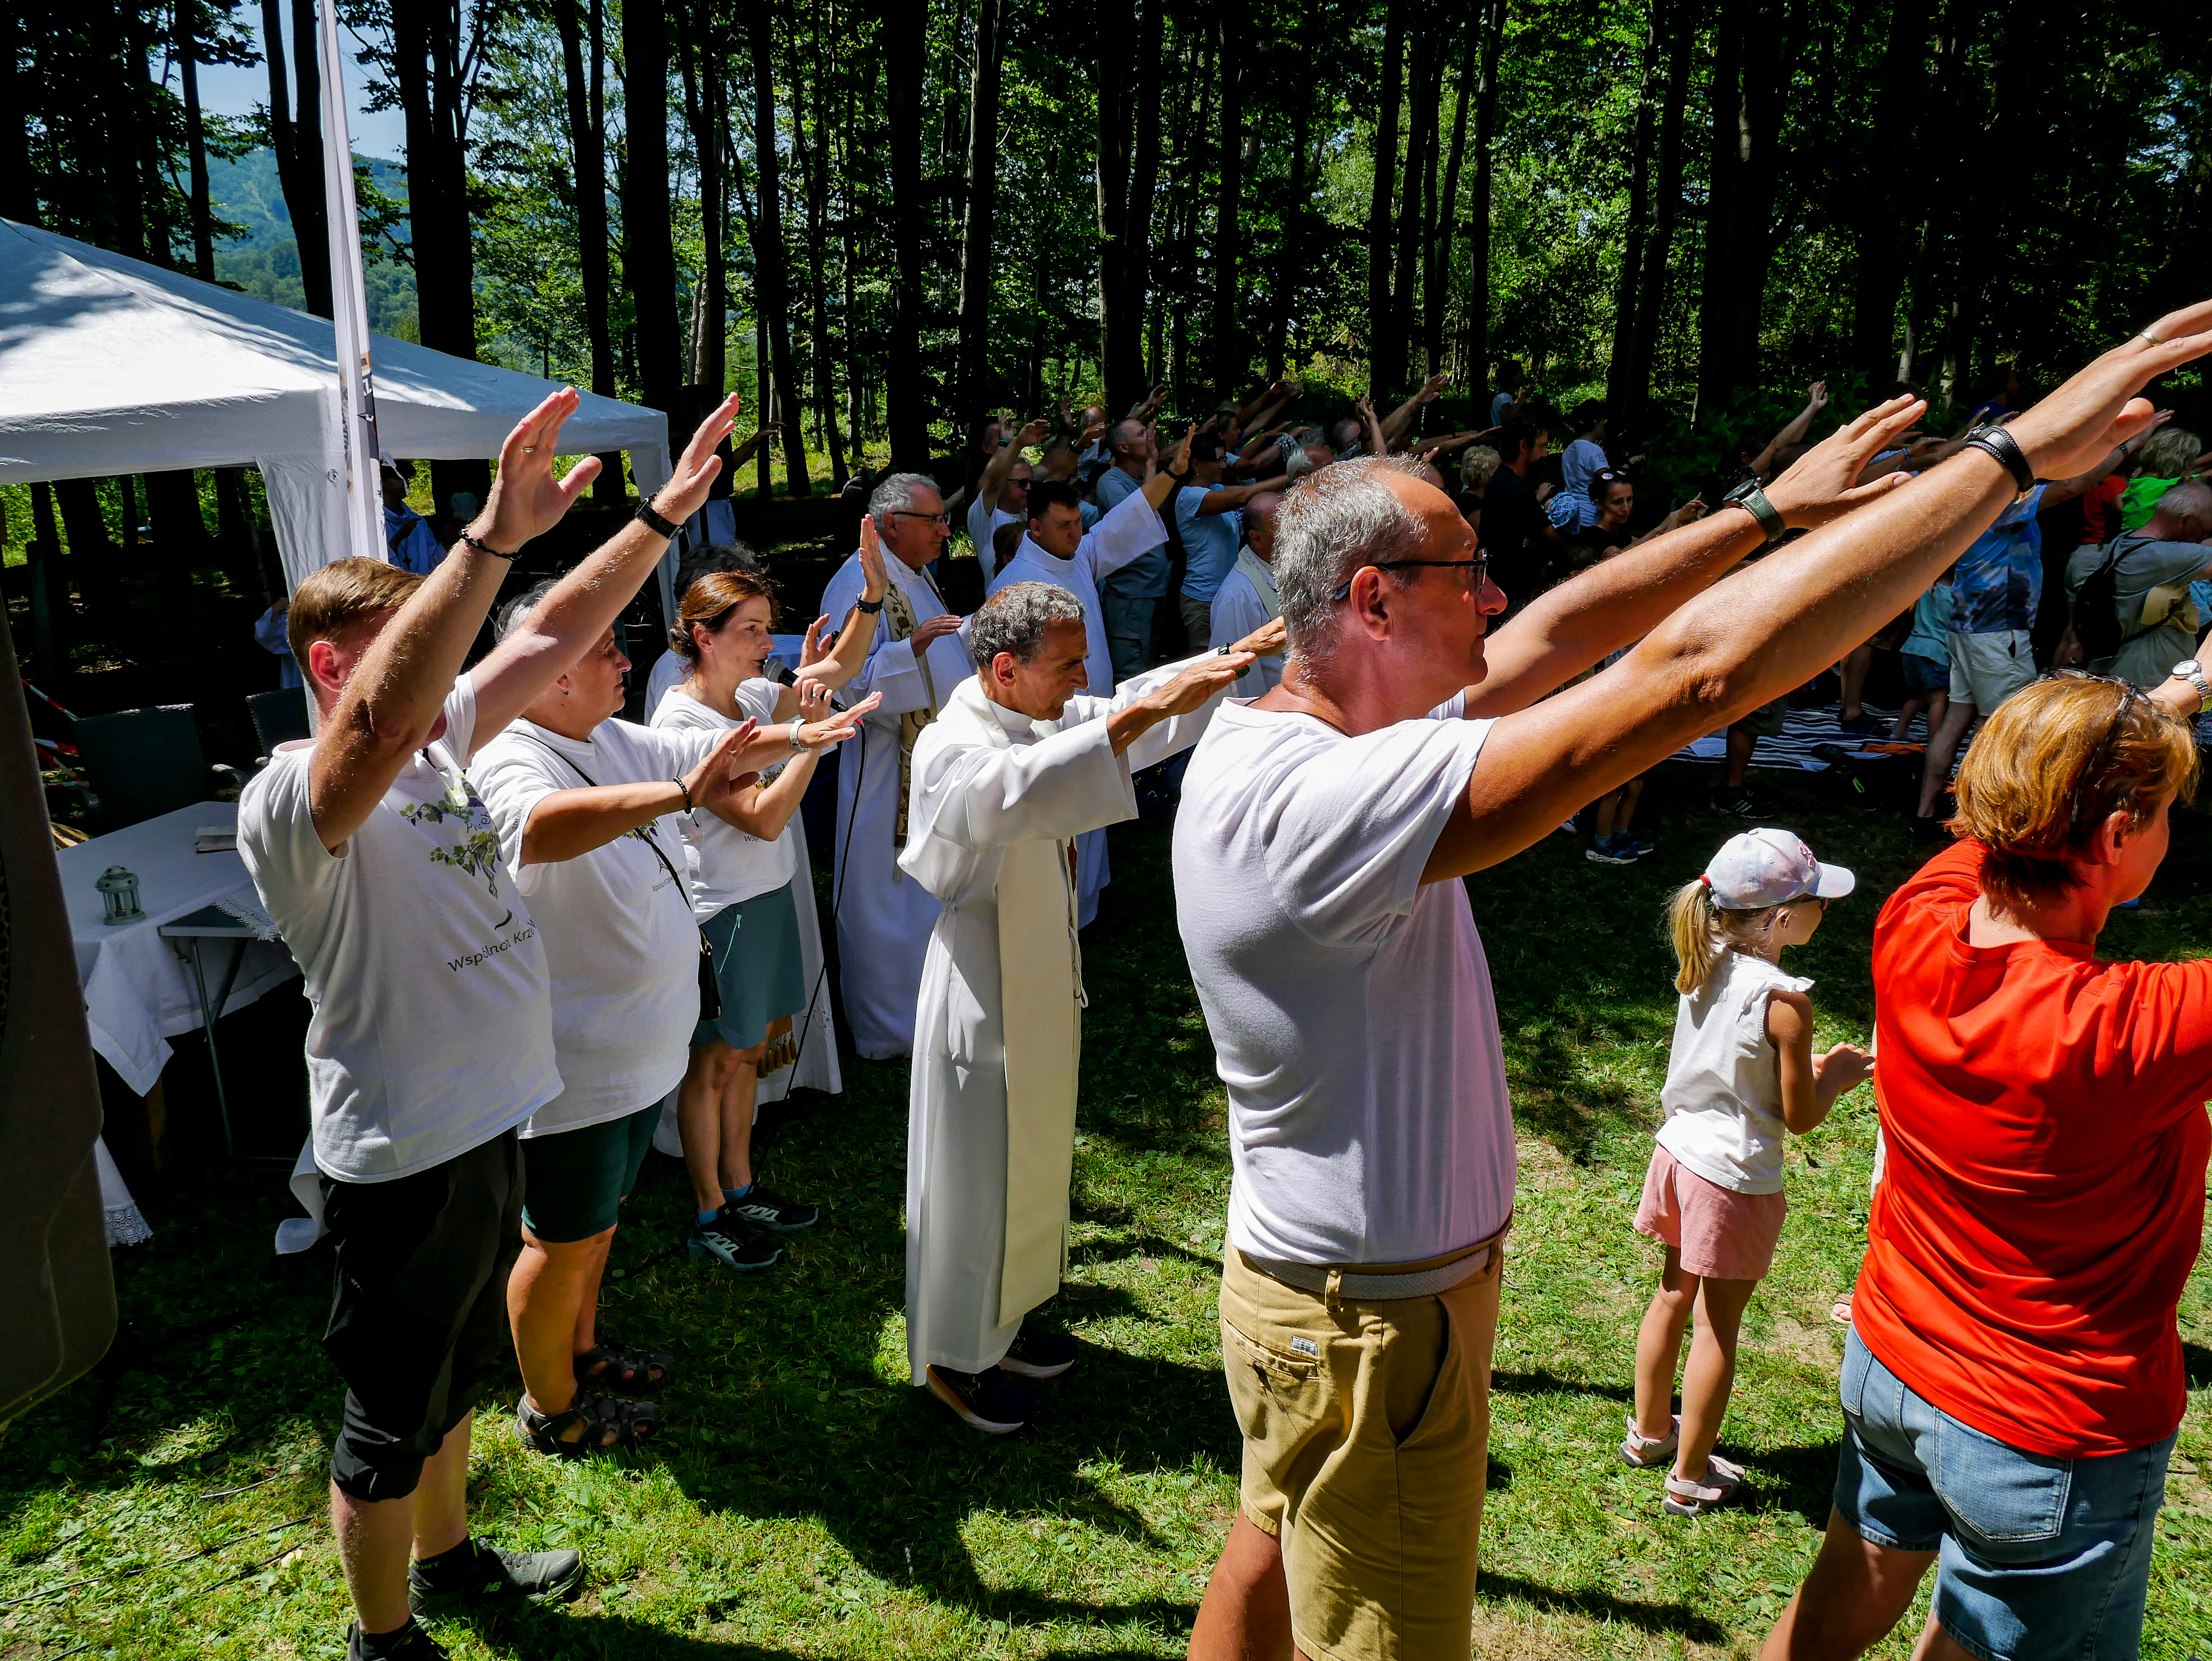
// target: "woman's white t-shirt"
[[620, 941], [1724, 1090], [728, 865]]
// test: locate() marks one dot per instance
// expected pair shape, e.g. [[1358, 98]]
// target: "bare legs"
[[1855, 1594], [1854, 669], [1710, 1374], [1942, 749], [714, 1116], [376, 1537], [552, 1303], [1936, 703], [1246, 1615], [1616, 808]]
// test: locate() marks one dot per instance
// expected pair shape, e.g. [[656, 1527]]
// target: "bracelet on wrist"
[[1997, 442], [871, 606], [647, 514], [684, 790], [799, 745], [484, 547]]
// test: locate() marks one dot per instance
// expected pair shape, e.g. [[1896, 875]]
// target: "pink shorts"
[[1720, 1233]]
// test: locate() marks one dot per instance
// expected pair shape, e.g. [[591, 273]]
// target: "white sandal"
[[1641, 1453], [1688, 1499]]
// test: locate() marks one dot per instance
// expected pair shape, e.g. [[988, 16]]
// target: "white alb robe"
[[884, 920], [987, 783], [1244, 604], [1130, 528]]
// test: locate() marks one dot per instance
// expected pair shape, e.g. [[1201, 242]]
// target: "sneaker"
[[474, 1570], [412, 1642], [990, 1402], [1608, 851], [1641, 1453], [763, 1209], [1634, 847], [1039, 1353], [1737, 799], [1718, 1486], [731, 1244], [1864, 726]]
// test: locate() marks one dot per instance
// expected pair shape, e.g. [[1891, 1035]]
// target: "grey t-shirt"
[[2151, 588]]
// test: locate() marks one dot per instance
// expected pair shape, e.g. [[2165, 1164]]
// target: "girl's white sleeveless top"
[[1723, 1091]]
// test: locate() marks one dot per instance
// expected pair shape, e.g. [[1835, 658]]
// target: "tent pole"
[[349, 305]]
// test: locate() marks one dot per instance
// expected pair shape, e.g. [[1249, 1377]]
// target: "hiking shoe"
[[1039, 1353], [763, 1209], [474, 1570], [1719, 1485], [990, 1402], [1641, 1453], [1738, 800], [730, 1243], [1609, 852], [1864, 726], [412, 1642]]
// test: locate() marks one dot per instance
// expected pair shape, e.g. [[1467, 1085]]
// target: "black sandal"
[[623, 1368], [631, 1423]]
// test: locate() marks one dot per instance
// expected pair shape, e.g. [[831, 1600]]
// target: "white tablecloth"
[[138, 993]]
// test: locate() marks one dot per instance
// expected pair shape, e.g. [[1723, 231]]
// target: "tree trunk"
[[1766, 60], [649, 251], [1420, 157], [1443, 210], [1721, 291], [763, 392], [123, 82], [1290, 261], [817, 234], [704, 359], [19, 188], [50, 614], [1478, 234], [1117, 346], [92, 556], [1228, 356], [774, 283], [1143, 185], [902, 44], [1680, 25], [1886, 191], [303, 189], [1624, 293], [972, 371], [195, 142], [587, 156], [1385, 353]]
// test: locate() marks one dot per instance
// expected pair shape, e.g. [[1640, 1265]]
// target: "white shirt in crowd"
[[728, 866], [1724, 1090], [983, 524], [621, 946], [1349, 1003], [414, 946], [1243, 604]]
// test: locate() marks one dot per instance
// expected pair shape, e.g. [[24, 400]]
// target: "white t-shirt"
[[1350, 1004], [982, 524], [620, 944], [728, 865], [414, 945], [1723, 1089]]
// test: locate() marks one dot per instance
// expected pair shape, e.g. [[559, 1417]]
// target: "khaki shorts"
[[1366, 1442], [1987, 669], [1767, 720]]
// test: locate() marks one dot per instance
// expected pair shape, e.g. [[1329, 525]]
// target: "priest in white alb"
[[1019, 762], [1058, 550]]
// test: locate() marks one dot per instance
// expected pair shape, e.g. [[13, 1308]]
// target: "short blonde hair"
[[2050, 764], [336, 601]]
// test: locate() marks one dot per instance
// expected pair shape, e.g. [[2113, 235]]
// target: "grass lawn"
[[805, 1502]]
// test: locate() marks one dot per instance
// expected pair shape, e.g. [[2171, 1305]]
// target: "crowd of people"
[[526, 922]]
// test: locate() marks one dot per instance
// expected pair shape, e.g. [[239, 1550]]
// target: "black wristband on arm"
[[1996, 441], [652, 516]]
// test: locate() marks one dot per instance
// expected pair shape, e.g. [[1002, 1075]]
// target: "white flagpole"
[[364, 480]]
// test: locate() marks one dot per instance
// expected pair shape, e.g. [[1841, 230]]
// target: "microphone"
[[777, 670]]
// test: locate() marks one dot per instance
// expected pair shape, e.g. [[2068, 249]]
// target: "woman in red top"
[[2014, 1379]]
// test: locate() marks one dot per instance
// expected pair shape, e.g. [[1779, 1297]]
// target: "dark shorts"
[[418, 1320], [1766, 721], [579, 1178], [1926, 675], [757, 967], [2036, 1556]]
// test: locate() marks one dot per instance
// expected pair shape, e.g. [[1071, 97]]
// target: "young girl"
[[1741, 1071]]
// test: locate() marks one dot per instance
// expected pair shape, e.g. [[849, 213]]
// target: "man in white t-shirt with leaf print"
[[1322, 832], [375, 856]]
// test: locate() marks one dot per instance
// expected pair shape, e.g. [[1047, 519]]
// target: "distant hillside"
[[265, 261]]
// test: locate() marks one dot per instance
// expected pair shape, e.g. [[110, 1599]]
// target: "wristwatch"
[[2191, 670], [647, 514], [1752, 500]]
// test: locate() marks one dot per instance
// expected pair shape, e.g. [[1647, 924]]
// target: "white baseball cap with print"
[[1759, 868]]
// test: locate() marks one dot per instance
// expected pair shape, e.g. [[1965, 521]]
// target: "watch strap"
[[870, 606], [1752, 500], [1997, 443], [647, 514]]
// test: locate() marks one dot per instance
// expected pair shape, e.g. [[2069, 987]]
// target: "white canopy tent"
[[109, 365]]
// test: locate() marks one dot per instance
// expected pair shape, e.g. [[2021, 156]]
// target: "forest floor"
[[804, 1501]]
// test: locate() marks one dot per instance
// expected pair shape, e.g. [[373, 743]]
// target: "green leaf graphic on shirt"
[[478, 855]]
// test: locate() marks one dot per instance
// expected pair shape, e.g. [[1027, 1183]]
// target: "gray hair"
[[1015, 619], [897, 493], [510, 616], [1476, 466], [1330, 524]]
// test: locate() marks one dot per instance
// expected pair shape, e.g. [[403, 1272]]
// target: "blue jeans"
[[2038, 1556]]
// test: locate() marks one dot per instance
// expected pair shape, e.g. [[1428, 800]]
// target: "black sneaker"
[[1864, 726], [473, 1570], [763, 1209], [732, 1244], [990, 1402], [412, 1642], [1039, 1353], [1609, 852], [1736, 798]]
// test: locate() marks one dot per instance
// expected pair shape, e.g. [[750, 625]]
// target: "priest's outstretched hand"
[[1267, 640], [1178, 697]]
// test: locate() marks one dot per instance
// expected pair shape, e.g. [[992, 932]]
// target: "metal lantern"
[[118, 896]]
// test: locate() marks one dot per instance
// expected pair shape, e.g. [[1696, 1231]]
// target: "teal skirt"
[[756, 965]]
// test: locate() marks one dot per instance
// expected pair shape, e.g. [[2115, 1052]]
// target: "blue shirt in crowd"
[[1999, 581], [1145, 577], [413, 548], [1209, 542]]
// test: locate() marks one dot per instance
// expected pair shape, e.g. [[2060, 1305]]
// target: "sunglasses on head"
[[2101, 757]]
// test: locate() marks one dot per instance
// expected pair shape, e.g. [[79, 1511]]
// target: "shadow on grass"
[[1677, 1619], [1545, 1382], [1800, 1479]]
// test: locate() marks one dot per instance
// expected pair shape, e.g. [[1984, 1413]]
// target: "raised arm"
[[1772, 626], [1395, 425], [1816, 400], [585, 603], [856, 632], [763, 811], [569, 823], [1160, 482], [394, 699], [1002, 465]]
